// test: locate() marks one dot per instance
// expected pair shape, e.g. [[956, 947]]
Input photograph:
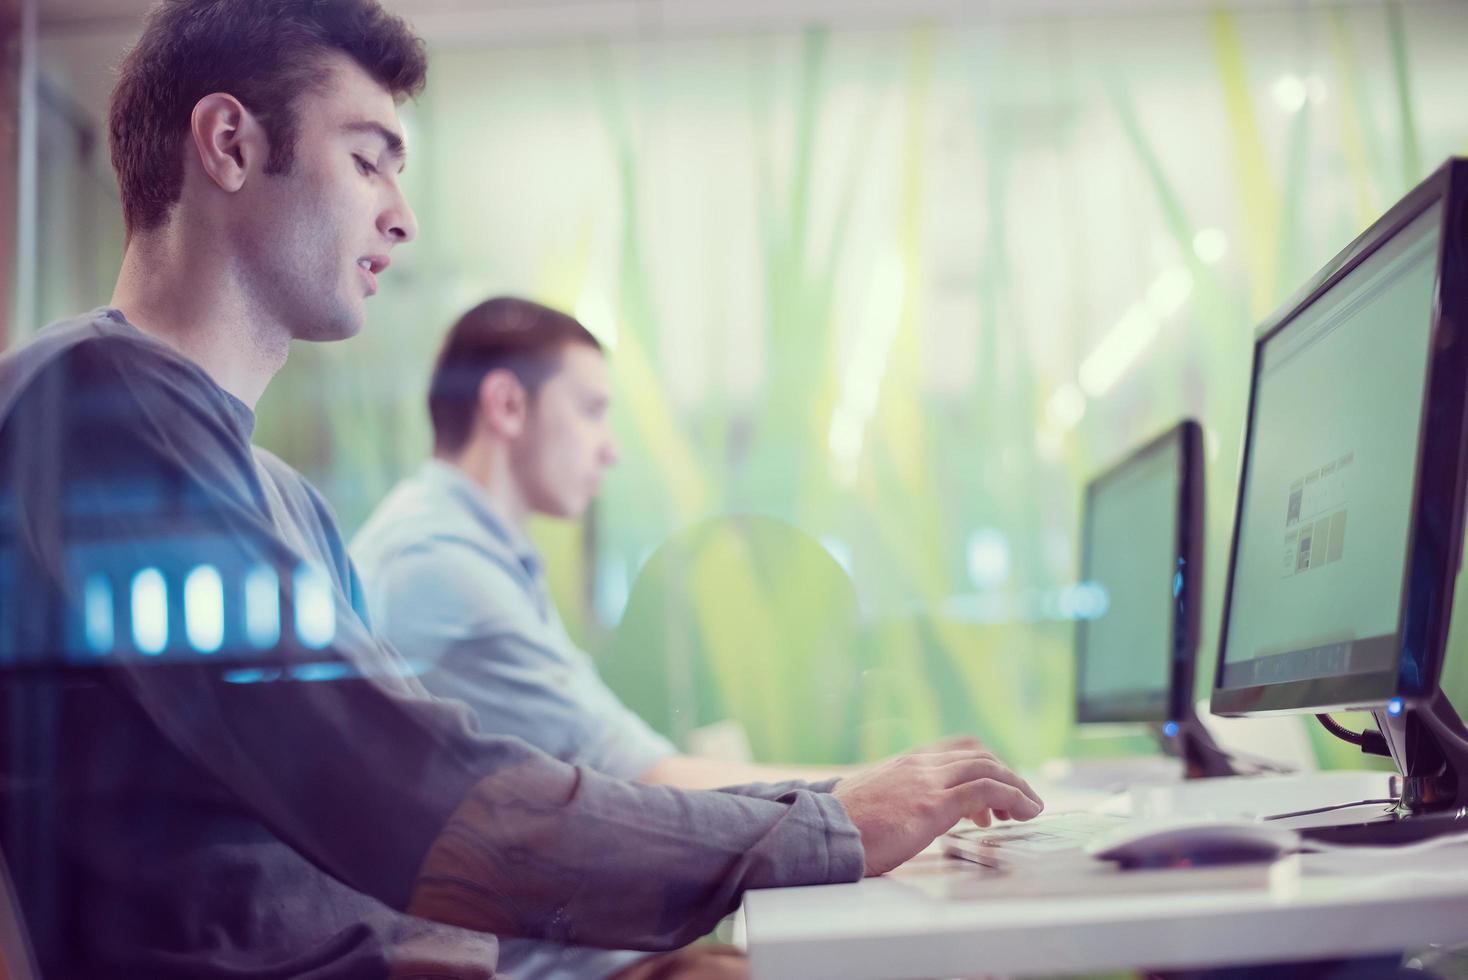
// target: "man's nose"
[[398, 223]]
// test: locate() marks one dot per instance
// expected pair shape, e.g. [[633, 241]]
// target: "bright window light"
[[1210, 245], [1134, 332], [1290, 92], [988, 558], [1171, 290], [1068, 405]]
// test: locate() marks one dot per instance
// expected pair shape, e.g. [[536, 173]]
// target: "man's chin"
[[325, 330], [565, 510]]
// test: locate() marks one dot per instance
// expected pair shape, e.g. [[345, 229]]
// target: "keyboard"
[[1053, 839]]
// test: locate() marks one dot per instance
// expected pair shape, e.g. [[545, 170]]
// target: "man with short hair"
[[212, 767], [519, 403]]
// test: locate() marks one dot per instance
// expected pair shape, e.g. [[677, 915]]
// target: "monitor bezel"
[[1434, 535], [1187, 439]]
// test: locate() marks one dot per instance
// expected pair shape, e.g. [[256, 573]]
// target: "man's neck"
[[487, 465], [185, 295]]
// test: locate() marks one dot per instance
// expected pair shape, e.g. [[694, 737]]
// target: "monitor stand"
[[1189, 741], [1429, 744]]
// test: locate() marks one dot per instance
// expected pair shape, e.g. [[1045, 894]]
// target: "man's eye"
[[363, 167]]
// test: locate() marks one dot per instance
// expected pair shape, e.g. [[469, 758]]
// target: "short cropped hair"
[[517, 335], [265, 53]]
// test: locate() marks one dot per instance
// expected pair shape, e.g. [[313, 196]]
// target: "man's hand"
[[901, 806], [950, 743]]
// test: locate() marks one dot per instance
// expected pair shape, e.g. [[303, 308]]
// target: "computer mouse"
[[1194, 844]]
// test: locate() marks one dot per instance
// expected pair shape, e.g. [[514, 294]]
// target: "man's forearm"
[[574, 856], [693, 772]]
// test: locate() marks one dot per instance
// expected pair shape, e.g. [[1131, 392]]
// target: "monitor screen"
[[1325, 508], [1130, 539]]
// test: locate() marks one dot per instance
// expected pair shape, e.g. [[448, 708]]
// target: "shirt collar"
[[243, 414], [472, 496]]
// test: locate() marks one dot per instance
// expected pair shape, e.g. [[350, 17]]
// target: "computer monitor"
[[1142, 548], [1349, 521]]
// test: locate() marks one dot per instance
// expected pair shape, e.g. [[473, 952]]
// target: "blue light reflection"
[[204, 609], [150, 612]]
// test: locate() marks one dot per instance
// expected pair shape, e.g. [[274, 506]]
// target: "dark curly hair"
[[265, 53]]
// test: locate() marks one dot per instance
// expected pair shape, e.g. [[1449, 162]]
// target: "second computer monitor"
[[1141, 548]]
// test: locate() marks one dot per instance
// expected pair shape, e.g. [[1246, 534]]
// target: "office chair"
[[749, 619]]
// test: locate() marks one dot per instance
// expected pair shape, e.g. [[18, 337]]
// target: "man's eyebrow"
[[393, 141]]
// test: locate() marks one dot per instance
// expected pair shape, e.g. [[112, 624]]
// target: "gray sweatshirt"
[[213, 768]]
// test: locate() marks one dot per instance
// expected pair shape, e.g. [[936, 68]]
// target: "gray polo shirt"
[[450, 580]]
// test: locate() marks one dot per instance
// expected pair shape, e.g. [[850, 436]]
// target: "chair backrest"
[[743, 619]]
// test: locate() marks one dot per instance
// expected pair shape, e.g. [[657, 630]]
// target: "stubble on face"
[[557, 458], [305, 229]]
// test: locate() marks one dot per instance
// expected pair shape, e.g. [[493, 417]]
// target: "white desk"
[[936, 917]]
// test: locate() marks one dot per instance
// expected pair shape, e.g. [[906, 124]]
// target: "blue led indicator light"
[[252, 675], [99, 614], [333, 671], [262, 607], [150, 612], [1170, 729], [1394, 707], [315, 607], [204, 609]]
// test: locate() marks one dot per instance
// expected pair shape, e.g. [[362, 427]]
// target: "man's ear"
[[228, 139], [503, 403]]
